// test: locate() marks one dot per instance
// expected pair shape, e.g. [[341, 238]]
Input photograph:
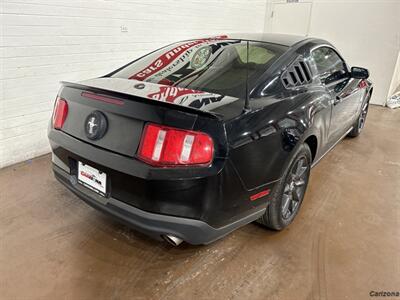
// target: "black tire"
[[276, 215], [360, 122]]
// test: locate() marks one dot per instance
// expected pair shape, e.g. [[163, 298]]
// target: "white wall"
[[367, 33], [46, 41], [395, 84]]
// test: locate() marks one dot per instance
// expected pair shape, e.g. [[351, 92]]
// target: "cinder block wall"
[[46, 41]]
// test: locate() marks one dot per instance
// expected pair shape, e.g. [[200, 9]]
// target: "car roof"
[[275, 38]]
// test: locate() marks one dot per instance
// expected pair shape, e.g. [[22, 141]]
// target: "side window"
[[330, 66]]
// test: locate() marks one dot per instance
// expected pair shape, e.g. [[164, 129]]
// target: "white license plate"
[[92, 178]]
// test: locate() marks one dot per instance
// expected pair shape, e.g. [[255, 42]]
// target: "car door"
[[333, 74]]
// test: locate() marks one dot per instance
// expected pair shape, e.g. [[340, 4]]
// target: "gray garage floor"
[[344, 243]]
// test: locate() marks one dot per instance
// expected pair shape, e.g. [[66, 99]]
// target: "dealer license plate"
[[92, 178]]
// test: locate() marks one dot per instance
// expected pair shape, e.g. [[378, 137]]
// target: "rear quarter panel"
[[262, 141]]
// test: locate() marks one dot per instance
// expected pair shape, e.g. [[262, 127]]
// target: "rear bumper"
[[214, 195], [155, 225]]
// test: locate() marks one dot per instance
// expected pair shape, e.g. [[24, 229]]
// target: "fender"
[[278, 127]]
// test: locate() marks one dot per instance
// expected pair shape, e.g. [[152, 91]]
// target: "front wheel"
[[359, 124], [289, 193]]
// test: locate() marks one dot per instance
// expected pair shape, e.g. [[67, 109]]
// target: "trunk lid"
[[128, 104]]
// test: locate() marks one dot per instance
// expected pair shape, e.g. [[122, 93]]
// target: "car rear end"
[[161, 168], [148, 142]]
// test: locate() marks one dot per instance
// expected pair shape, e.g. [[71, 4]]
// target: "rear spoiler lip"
[[142, 99]]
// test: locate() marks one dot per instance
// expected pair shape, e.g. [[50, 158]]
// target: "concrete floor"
[[344, 243]]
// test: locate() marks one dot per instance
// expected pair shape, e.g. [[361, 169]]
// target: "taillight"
[[167, 146], [60, 113]]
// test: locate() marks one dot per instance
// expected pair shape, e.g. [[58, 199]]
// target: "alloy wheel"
[[295, 187], [363, 117]]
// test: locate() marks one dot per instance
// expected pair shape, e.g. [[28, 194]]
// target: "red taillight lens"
[[167, 146], [60, 113]]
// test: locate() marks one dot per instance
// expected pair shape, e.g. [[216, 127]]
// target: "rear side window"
[[296, 74], [216, 65]]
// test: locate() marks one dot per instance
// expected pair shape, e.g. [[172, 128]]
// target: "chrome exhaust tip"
[[172, 240]]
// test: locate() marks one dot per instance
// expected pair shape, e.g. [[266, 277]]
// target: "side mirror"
[[359, 73]]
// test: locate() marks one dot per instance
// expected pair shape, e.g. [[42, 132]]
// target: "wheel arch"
[[312, 143]]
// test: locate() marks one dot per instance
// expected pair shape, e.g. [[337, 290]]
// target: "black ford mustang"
[[203, 136]]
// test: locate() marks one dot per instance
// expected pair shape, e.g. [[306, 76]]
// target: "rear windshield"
[[215, 65]]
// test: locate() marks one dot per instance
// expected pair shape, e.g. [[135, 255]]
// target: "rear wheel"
[[359, 124], [289, 192]]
